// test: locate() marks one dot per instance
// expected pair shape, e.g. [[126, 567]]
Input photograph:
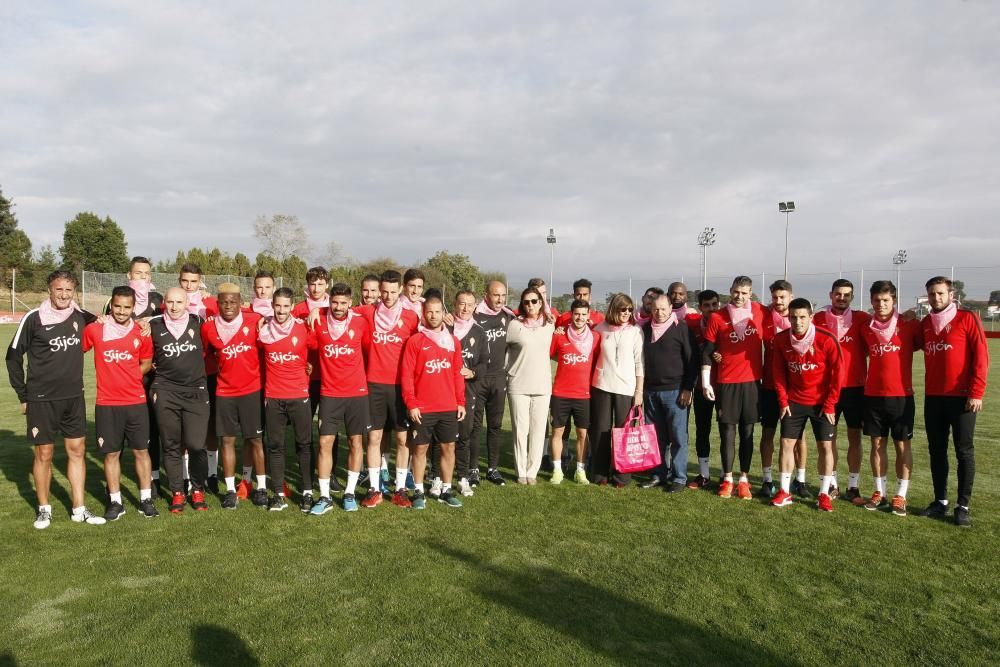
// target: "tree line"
[[92, 243]]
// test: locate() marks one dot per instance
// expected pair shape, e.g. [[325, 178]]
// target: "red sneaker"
[[284, 490], [372, 499], [698, 482], [824, 502], [877, 501], [743, 491], [243, 489], [177, 503], [726, 489], [782, 499], [400, 499], [198, 501]]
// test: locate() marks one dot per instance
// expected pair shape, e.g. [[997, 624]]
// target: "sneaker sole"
[[351, 509], [784, 504], [447, 504], [114, 518], [276, 509], [322, 512]]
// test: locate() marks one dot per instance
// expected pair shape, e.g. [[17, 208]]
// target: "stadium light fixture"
[[705, 239], [786, 208]]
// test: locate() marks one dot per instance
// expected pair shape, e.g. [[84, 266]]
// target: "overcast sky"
[[404, 128]]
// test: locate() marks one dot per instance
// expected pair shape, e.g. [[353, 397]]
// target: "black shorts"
[[889, 415], [117, 424], [212, 384], [388, 412], [564, 408], [794, 425], [736, 403], [46, 419], [435, 428], [351, 412], [769, 408], [852, 406], [236, 415]]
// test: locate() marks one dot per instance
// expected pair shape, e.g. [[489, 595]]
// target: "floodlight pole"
[[705, 239], [786, 208], [899, 259], [551, 240]]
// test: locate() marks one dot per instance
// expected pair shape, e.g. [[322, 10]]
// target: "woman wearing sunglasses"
[[529, 382], [616, 384]]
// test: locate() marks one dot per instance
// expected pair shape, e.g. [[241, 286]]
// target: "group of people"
[[189, 374]]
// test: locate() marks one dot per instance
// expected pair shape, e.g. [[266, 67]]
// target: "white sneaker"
[[435, 491], [463, 486], [43, 519], [86, 516]]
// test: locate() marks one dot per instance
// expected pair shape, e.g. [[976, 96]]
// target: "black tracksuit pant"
[[607, 411], [491, 397], [944, 414], [183, 419], [279, 413]]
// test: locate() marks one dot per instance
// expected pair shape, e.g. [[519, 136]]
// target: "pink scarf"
[[416, 306], [338, 327], [842, 322], [262, 307], [48, 314], [533, 323], [682, 311], [463, 327], [195, 305], [141, 289], [113, 331], [228, 329], [321, 303], [272, 332], [441, 337], [386, 318], [942, 319], [740, 317], [885, 330], [780, 322], [483, 309], [660, 329], [804, 344], [176, 327], [641, 317], [583, 341]]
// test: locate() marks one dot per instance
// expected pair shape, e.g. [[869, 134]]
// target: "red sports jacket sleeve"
[[835, 362], [407, 383], [779, 371], [980, 359], [456, 367]]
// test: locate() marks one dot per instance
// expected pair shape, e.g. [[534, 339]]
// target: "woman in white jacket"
[[616, 384], [529, 382]]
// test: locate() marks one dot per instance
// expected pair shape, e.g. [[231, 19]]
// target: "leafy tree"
[[457, 271], [995, 297], [15, 246], [281, 236], [562, 302], [92, 244], [959, 287]]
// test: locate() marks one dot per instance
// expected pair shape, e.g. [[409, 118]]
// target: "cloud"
[[402, 129]]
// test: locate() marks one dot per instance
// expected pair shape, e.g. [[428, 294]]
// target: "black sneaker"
[[675, 487], [230, 501], [363, 478], [147, 509], [801, 489], [962, 517], [767, 490], [213, 484], [334, 484], [114, 512], [474, 477], [259, 497], [653, 482], [495, 477], [276, 503], [306, 503], [936, 510]]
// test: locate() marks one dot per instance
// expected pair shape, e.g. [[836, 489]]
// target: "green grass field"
[[540, 574]]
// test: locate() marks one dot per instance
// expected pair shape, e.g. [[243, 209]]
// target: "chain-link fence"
[[96, 288]]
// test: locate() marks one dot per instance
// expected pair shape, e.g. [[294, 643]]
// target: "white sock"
[[281, 493], [445, 488], [743, 477], [352, 481], [824, 483], [231, 484], [186, 474], [45, 508], [78, 510], [800, 475], [145, 494], [703, 466], [213, 463], [261, 481], [833, 480], [385, 464], [853, 478], [400, 478], [581, 466], [247, 472], [786, 481], [767, 474], [944, 502], [903, 485], [436, 480], [156, 474], [116, 497], [324, 488], [557, 464], [373, 478], [880, 485]]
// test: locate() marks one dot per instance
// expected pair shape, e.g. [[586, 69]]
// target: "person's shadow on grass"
[[215, 645], [610, 625]]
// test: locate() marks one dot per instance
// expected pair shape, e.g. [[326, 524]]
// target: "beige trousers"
[[529, 415]]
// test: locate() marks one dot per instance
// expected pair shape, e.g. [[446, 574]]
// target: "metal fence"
[[96, 288]]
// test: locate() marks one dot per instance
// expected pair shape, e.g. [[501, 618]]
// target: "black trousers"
[[607, 411], [491, 397], [183, 419], [463, 446], [727, 433], [941, 415], [702, 423], [279, 413]]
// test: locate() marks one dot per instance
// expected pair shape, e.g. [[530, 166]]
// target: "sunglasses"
[[531, 302], [625, 310]]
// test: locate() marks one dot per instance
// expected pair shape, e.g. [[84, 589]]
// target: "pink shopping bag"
[[635, 447]]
